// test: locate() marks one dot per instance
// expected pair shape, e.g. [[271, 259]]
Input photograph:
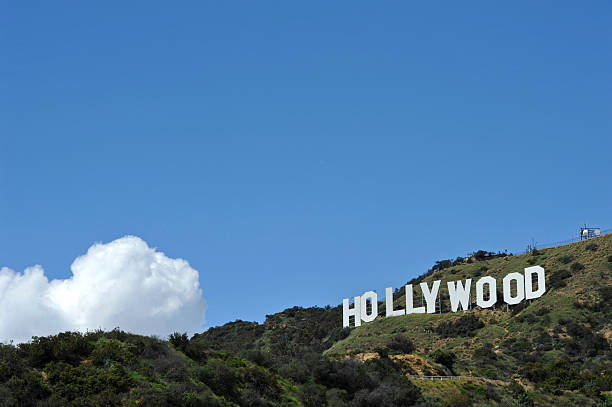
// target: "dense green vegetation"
[[556, 348], [116, 368], [551, 351]]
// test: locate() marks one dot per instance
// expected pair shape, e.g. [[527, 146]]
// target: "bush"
[[527, 317], [10, 363], [86, 384], [605, 293], [557, 278], [584, 341], [562, 375], [534, 371], [466, 325], [180, 341], [261, 381], [112, 350], [221, 379], [485, 353], [387, 395], [69, 347], [312, 395], [401, 343], [519, 348], [591, 247], [258, 357], [576, 267], [566, 259], [296, 371], [197, 351], [445, 358], [336, 398], [350, 375]]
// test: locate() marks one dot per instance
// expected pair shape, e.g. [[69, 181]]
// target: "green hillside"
[[557, 347], [554, 350]]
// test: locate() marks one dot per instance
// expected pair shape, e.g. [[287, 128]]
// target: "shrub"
[[401, 393], [566, 259], [10, 363], [382, 352], [534, 371], [557, 278], [339, 334], [312, 395], [221, 379], [562, 375], [261, 380], [459, 399], [445, 358], [466, 325], [576, 267], [591, 247], [485, 353], [337, 398], [401, 343], [584, 341], [197, 351], [180, 341], [349, 375], [606, 293], [112, 350], [258, 357], [527, 317], [69, 347], [491, 393], [83, 384]]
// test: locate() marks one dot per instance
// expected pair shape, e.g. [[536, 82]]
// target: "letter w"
[[459, 294]]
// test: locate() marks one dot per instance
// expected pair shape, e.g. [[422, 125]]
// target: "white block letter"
[[410, 302], [459, 294], [490, 281], [371, 295], [430, 296], [347, 312], [529, 293], [389, 301], [520, 288]]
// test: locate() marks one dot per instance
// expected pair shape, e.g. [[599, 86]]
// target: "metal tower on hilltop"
[[589, 232]]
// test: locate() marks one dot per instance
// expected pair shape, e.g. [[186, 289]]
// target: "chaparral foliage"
[[551, 351]]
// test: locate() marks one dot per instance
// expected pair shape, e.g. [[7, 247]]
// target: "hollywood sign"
[[459, 293]]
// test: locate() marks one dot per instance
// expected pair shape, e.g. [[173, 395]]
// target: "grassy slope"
[[246, 363], [528, 324]]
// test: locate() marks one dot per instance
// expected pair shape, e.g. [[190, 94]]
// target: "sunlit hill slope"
[[554, 350]]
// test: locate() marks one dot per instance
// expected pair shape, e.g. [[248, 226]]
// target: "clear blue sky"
[[299, 153]]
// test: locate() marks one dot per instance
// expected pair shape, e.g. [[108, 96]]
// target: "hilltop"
[[551, 351], [554, 350]]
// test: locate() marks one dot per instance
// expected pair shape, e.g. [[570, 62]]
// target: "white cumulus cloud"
[[124, 283]]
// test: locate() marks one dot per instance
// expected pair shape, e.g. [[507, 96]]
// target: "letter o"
[[490, 281], [520, 288], [371, 295]]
